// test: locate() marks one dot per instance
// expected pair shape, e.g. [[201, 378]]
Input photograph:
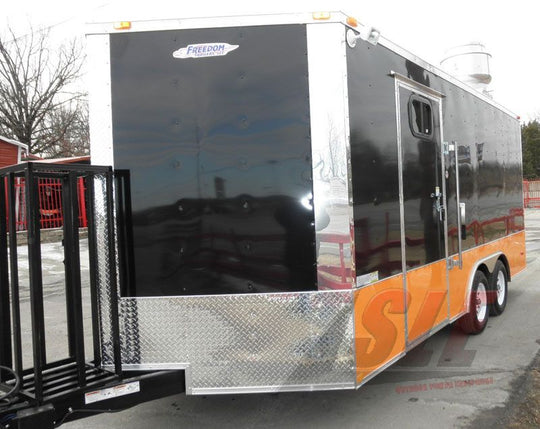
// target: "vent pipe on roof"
[[470, 64]]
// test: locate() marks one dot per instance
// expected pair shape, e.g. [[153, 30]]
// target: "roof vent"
[[470, 64]]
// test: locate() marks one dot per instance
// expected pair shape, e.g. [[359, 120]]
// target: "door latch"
[[448, 147], [439, 208]]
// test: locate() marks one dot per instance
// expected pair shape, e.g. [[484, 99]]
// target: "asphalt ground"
[[451, 380]]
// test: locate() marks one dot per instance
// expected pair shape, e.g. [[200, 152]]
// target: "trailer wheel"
[[498, 289], [475, 321]]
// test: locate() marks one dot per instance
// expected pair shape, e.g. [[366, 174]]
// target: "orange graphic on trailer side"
[[381, 309]]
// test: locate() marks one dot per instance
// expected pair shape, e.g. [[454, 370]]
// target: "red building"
[[50, 190], [11, 151]]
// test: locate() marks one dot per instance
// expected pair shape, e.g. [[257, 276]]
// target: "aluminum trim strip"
[[397, 85], [274, 389], [100, 104], [415, 86], [458, 211], [153, 367], [445, 208]]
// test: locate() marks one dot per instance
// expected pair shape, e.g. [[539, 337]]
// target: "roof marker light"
[[353, 22], [321, 16], [122, 25]]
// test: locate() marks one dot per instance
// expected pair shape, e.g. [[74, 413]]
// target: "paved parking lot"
[[450, 381]]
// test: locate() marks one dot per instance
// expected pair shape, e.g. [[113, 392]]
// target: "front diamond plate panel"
[[244, 341], [104, 267]]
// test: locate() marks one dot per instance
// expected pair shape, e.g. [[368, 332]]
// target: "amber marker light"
[[321, 16], [353, 22], [122, 25]]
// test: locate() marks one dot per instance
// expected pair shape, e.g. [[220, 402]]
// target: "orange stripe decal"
[[379, 309]]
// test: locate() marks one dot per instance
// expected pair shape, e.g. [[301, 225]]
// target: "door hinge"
[[448, 147], [451, 263]]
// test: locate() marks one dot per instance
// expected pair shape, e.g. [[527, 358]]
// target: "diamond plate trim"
[[249, 342], [103, 269]]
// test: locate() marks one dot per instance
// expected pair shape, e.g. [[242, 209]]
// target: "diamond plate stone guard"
[[263, 342]]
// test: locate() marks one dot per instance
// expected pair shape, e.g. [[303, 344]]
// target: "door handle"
[[458, 206], [437, 204], [462, 215]]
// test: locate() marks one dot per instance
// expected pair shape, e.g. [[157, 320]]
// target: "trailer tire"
[[475, 321], [498, 289]]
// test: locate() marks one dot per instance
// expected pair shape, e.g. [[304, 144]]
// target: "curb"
[[52, 235]]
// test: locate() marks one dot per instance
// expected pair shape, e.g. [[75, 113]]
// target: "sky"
[[427, 28]]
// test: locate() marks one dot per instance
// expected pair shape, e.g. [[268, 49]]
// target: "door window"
[[420, 117]]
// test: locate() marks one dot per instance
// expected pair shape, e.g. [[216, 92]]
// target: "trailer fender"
[[489, 264]]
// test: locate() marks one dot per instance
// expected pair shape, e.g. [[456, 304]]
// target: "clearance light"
[[352, 21], [122, 25], [321, 16]]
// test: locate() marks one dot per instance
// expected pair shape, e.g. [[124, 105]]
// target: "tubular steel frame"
[[48, 390]]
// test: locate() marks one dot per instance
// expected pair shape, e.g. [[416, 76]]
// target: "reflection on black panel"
[[489, 154], [219, 154], [374, 162], [488, 150]]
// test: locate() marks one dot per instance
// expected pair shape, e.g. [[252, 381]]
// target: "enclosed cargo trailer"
[[298, 201], [309, 201]]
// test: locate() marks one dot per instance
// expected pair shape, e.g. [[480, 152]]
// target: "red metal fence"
[[50, 200], [531, 193], [50, 203]]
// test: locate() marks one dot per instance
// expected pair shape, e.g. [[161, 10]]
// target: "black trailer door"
[[422, 207], [213, 125]]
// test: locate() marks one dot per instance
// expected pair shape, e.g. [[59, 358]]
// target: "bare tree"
[[65, 131], [36, 86]]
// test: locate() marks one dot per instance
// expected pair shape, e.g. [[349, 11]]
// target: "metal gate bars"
[[45, 380]]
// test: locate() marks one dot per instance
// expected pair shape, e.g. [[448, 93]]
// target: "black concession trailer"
[[275, 183]]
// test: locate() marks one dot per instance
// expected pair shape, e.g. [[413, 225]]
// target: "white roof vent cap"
[[470, 64]]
